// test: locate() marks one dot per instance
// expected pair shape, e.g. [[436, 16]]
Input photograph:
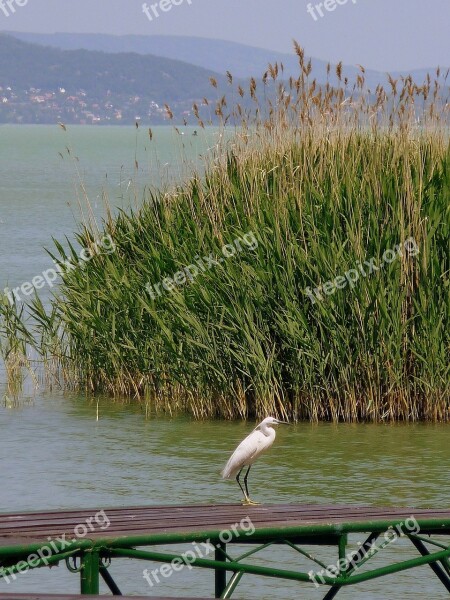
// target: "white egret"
[[257, 442]]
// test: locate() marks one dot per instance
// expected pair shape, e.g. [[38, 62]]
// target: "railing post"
[[90, 570], [342, 547], [220, 574]]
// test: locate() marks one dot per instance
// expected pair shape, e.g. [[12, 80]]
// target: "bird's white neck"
[[267, 430]]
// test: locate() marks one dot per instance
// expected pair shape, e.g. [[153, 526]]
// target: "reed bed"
[[317, 181]]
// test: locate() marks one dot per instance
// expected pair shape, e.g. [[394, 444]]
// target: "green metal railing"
[[91, 558]]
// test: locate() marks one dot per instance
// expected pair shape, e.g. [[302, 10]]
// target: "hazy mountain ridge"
[[43, 84], [22, 63], [216, 55]]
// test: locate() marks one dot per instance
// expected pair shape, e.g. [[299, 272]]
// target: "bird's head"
[[269, 421]]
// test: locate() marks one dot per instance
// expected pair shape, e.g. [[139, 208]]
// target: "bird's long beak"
[[283, 423]]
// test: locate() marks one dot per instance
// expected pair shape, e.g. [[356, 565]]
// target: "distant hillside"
[[42, 84], [24, 65], [216, 55]]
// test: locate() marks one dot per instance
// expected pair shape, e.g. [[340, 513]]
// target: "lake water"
[[45, 170], [55, 453]]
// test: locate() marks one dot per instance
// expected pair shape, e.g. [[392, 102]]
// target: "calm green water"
[[56, 454], [40, 190]]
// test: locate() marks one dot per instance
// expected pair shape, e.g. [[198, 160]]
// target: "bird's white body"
[[248, 451], [257, 442]]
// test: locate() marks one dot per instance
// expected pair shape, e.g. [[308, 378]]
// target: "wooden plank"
[[210, 513], [208, 522]]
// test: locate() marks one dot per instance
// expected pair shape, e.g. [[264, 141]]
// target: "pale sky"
[[385, 35]]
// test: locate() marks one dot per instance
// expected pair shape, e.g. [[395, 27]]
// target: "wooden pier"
[[89, 541]]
